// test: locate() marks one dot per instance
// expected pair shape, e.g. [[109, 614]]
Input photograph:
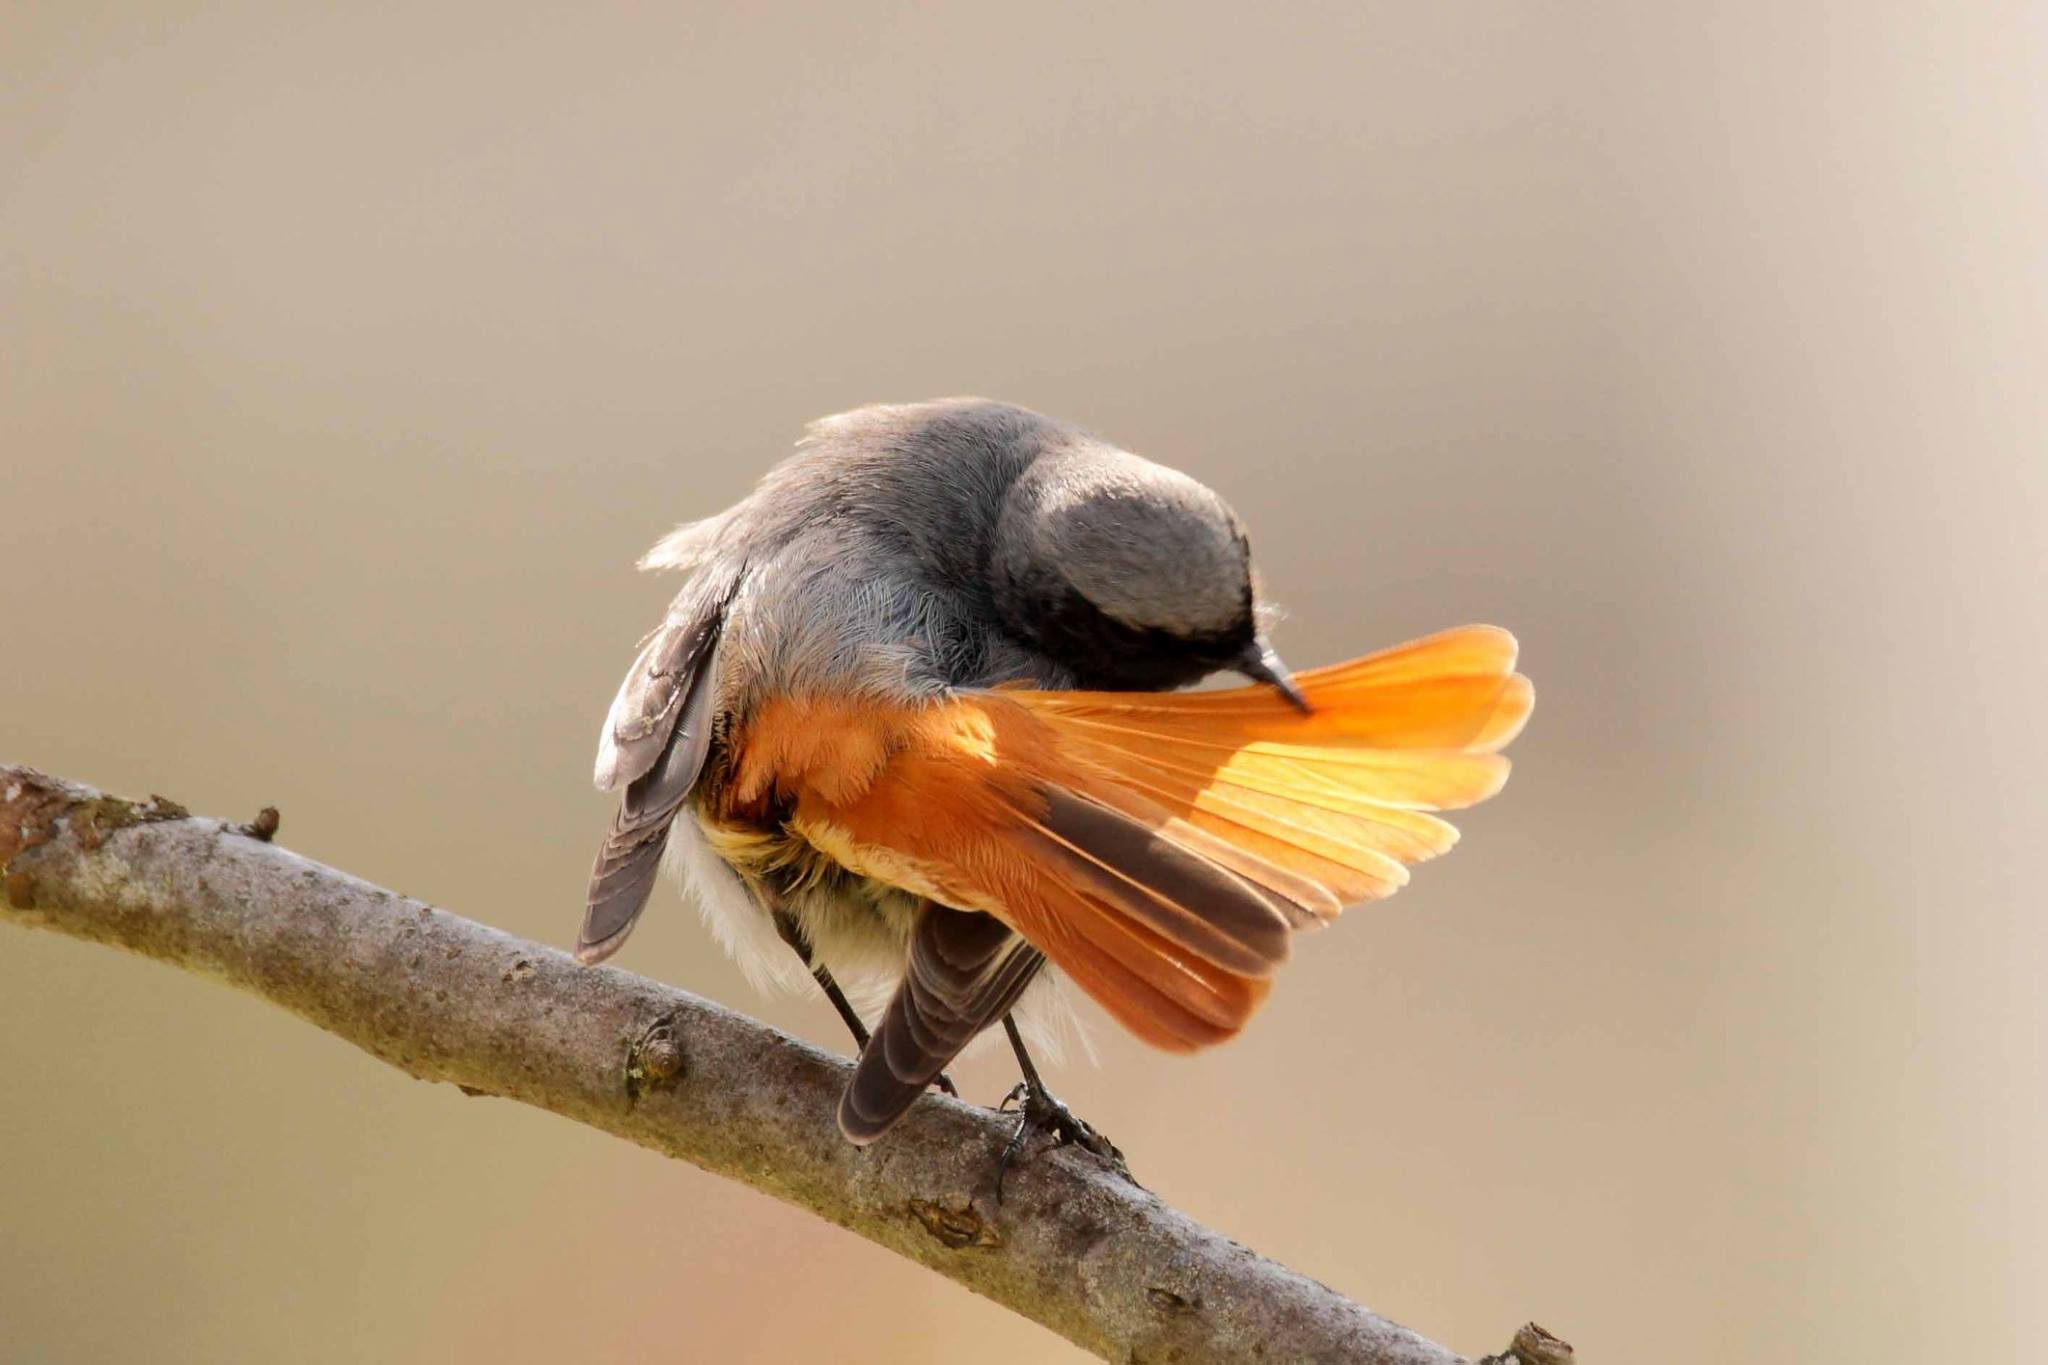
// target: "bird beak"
[[1261, 664]]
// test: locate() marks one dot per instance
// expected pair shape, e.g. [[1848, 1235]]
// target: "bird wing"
[[654, 743], [1157, 847]]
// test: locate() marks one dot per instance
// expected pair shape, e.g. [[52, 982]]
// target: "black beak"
[[1261, 664]]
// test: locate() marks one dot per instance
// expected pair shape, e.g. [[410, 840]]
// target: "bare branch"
[[1074, 1246]]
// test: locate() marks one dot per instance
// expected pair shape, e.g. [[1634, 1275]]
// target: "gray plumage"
[[900, 553]]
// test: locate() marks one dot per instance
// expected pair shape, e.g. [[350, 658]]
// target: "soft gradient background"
[[350, 354]]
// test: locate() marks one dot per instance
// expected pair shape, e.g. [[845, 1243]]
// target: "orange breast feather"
[[1158, 847]]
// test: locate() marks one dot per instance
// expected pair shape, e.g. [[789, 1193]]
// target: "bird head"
[[1132, 575]]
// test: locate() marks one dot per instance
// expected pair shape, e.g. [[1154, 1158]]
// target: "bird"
[[916, 719]]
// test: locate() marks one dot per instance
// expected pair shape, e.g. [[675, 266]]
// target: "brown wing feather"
[[655, 741]]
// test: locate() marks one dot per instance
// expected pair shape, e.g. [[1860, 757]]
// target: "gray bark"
[[1074, 1245]]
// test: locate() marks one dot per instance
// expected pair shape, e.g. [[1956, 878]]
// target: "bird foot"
[[1039, 1112]]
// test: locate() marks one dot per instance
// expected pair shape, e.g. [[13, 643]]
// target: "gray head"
[[1130, 574]]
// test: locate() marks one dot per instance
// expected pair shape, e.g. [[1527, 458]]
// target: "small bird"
[[911, 720]]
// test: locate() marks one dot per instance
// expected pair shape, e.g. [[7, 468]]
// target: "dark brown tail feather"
[[965, 972]]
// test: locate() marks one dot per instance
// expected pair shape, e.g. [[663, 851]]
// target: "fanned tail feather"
[[1158, 847], [1339, 797]]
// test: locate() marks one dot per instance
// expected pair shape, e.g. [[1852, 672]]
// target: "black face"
[[1103, 653]]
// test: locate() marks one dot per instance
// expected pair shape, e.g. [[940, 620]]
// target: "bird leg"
[[1040, 1112], [792, 933]]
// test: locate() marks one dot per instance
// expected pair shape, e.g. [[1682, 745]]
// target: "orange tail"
[[1158, 847]]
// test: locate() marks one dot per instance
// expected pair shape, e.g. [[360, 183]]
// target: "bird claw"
[[1038, 1111]]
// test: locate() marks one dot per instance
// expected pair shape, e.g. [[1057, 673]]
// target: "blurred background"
[[352, 354]]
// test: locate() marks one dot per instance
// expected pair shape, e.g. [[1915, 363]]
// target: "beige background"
[[352, 353]]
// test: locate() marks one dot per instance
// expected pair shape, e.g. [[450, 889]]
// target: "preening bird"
[[912, 717]]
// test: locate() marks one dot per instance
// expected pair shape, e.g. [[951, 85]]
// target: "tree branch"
[[1074, 1245]]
